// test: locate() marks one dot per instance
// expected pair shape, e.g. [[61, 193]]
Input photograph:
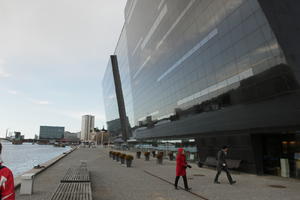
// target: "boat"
[[17, 142]]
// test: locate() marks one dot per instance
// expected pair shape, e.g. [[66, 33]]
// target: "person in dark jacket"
[[222, 165], [181, 166], [7, 188]]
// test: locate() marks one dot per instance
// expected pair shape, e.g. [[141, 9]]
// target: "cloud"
[[57, 46], [3, 73], [40, 102], [13, 92], [43, 102], [79, 114]]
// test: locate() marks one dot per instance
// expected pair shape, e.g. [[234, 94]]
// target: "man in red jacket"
[[7, 187], [181, 166]]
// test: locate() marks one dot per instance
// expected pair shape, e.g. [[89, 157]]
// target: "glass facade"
[[217, 71], [176, 54], [51, 132], [110, 99]]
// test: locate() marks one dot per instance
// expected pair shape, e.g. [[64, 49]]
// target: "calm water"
[[21, 158]]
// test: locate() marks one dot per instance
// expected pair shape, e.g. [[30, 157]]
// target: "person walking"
[[222, 165], [7, 187], [181, 166]]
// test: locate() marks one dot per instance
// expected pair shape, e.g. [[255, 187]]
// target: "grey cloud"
[[59, 31]]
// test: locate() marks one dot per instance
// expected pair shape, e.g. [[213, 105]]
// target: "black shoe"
[[217, 182], [188, 189], [232, 182]]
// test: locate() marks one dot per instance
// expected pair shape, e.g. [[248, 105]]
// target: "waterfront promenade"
[[147, 180]]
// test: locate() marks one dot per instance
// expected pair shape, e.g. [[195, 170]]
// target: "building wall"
[[71, 136], [283, 17], [87, 125], [182, 53], [176, 54], [51, 132], [232, 63]]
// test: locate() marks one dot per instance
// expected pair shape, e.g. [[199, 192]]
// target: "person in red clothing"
[[181, 166], [7, 186]]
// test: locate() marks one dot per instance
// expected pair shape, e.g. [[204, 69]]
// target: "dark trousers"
[[184, 181], [219, 169]]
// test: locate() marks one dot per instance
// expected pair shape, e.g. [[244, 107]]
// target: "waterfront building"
[[51, 132], [213, 72], [71, 136], [87, 126]]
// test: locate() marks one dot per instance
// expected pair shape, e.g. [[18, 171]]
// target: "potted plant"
[[118, 156], [171, 155], [138, 154], [114, 155], [153, 154], [159, 157], [128, 159], [122, 157], [147, 156]]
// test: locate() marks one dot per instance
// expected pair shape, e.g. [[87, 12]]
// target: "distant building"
[[87, 126], [51, 132], [17, 135], [78, 134], [71, 136]]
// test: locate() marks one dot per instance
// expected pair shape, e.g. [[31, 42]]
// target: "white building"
[[87, 126]]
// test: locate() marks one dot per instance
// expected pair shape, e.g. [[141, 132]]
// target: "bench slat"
[[232, 164], [80, 174], [73, 191]]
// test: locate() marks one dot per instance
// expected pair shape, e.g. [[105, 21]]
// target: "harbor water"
[[21, 158]]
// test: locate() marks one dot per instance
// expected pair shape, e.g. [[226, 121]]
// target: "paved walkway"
[[146, 180]]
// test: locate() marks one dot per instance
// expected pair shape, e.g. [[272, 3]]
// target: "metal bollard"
[[27, 183]]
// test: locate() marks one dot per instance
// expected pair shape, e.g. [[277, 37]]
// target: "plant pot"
[[147, 158], [153, 154], [159, 161], [200, 164], [138, 155], [128, 163], [122, 161]]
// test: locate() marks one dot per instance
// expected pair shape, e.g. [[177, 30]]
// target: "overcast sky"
[[53, 54]]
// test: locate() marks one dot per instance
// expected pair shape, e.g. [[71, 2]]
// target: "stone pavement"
[[112, 181]]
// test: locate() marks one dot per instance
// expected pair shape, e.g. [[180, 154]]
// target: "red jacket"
[[7, 187], [180, 163]]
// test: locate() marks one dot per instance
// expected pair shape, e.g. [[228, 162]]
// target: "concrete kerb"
[[45, 165]]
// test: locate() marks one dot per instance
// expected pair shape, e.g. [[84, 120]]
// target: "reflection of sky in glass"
[[190, 52], [21, 158], [110, 100]]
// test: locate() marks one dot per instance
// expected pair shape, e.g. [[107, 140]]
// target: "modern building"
[[51, 132], [214, 72], [71, 136], [87, 126]]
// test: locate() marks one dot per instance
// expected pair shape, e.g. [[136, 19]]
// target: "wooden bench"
[[212, 162], [75, 185], [233, 164], [73, 191], [209, 161], [80, 174]]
